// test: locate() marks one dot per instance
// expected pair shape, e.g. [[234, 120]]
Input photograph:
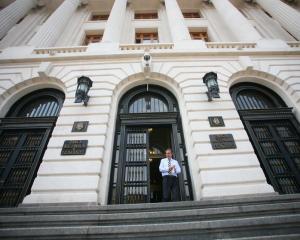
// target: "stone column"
[[236, 22], [288, 17], [113, 26], [50, 31], [179, 30], [10, 15]]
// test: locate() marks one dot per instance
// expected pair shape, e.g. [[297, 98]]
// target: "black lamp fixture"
[[83, 86], [211, 81]]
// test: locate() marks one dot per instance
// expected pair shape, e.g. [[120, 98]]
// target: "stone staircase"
[[248, 217]]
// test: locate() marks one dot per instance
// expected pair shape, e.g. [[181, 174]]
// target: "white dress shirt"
[[164, 167]]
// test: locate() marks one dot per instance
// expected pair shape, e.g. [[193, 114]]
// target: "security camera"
[[147, 61]]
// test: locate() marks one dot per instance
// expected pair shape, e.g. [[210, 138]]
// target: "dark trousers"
[[170, 187]]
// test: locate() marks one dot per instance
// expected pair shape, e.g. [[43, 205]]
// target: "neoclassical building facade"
[[147, 61]]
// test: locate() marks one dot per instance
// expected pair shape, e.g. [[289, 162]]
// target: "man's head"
[[169, 153]]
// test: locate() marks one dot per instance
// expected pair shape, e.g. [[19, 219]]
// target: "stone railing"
[[55, 50], [129, 47], [294, 44], [236, 45]]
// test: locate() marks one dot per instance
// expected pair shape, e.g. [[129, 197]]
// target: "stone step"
[[74, 208], [186, 215], [261, 217], [217, 229]]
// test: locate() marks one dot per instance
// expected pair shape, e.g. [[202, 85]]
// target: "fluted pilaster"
[[50, 31], [236, 22], [113, 26], [10, 15], [178, 28], [288, 17]]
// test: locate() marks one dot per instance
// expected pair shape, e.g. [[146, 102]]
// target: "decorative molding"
[[142, 116], [21, 122], [264, 114], [44, 69], [146, 47], [236, 45], [55, 50], [294, 44]]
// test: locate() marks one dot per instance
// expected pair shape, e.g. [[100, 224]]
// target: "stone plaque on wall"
[[222, 141], [216, 121], [80, 126], [74, 147]]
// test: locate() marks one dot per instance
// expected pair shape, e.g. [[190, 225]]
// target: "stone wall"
[[213, 172]]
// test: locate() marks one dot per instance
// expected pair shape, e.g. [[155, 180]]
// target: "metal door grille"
[[20, 152], [136, 175], [277, 142]]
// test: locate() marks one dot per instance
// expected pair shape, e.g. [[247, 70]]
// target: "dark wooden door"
[[131, 178], [276, 140], [274, 133], [24, 134], [21, 149], [143, 108], [135, 181]]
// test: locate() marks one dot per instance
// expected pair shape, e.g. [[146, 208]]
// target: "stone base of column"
[[271, 44], [190, 45], [103, 47], [16, 52]]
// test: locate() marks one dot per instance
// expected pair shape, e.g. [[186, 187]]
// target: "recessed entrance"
[[148, 123], [159, 139]]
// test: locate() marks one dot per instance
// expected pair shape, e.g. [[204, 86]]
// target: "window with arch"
[[253, 96], [43, 103], [24, 134], [274, 133], [148, 103]]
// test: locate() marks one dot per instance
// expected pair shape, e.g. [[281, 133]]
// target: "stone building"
[[218, 81]]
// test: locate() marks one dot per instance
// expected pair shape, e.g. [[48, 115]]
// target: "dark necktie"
[[169, 165]]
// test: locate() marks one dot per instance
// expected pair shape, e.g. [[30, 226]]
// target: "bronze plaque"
[[222, 141], [216, 121], [80, 126], [74, 147]]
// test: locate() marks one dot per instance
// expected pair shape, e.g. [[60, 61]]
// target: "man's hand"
[[172, 167]]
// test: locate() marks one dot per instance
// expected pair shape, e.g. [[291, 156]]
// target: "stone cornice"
[[156, 53]]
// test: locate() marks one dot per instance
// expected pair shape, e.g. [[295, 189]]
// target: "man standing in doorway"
[[169, 169]]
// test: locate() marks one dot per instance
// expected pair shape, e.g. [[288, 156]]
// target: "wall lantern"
[[83, 86], [211, 81]]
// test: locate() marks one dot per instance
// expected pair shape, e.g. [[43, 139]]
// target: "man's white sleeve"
[[178, 169], [163, 169]]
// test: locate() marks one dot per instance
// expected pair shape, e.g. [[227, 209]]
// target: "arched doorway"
[[148, 122], [274, 133], [24, 134]]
